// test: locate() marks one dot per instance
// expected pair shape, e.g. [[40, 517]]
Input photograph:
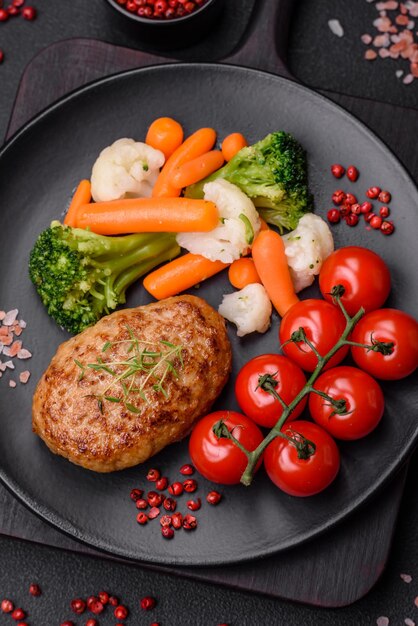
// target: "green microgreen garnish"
[[145, 366]]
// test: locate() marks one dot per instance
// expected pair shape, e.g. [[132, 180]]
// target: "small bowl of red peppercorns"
[[167, 24]]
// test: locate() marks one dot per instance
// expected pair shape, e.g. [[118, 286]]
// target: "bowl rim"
[[158, 22]]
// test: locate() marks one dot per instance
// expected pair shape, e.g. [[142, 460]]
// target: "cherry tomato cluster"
[[346, 402]]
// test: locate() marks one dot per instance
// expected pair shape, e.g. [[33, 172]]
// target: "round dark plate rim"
[[60, 523]]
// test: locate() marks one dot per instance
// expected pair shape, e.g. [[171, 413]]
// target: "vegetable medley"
[[154, 198]]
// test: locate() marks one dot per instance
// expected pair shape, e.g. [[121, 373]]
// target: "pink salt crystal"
[[2, 366], [382, 13], [24, 377], [10, 317], [12, 383], [10, 365], [403, 9], [408, 79], [384, 53], [370, 55], [382, 24], [6, 351], [382, 621], [399, 73], [22, 323], [414, 70], [17, 330], [336, 28], [7, 340], [14, 348], [412, 8], [406, 578], [410, 25], [2, 315], [390, 5], [366, 39], [382, 41], [24, 354], [409, 622], [416, 601]]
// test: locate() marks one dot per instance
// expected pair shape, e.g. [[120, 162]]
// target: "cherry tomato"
[[364, 275], [323, 324], [302, 477], [364, 403], [387, 325], [260, 405], [220, 460]]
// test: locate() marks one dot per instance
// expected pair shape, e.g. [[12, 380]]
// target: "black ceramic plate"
[[39, 168]]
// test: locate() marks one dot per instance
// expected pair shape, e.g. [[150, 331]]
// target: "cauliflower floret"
[[127, 168], [307, 247], [239, 225], [249, 309]]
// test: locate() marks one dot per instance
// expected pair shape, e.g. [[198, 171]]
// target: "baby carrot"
[[148, 215], [180, 274], [197, 169], [165, 134], [82, 195], [232, 144], [242, 272], [197, 144], [270, 260]]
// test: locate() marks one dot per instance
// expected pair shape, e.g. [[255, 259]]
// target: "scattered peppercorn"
[[187, 469], [148, 603], [373, 192], [35, 590], [387, 228], [351, 220], [136, 494], [190, 485], [153, 475], [78, 606], [18, 614], [214, 497], [385, 197], [333, 216], [121, 612], [170, 504], [7, 606], [376, 222], [167, 532], [103, 597], [189, 522], [384, 211], [161, 483], [350, 199], [142, 518], [337, 170], [194, 505], [366, 207], [176, 489], [338, 197], [352, 173]]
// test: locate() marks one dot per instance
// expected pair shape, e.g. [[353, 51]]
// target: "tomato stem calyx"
[[268, 383], [339, 405], [221, 430]]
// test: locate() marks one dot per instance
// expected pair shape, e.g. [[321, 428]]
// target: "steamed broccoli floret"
[[81, 276], [274, 174]]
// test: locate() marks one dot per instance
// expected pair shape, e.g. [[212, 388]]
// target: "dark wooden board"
[[332, 571]]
